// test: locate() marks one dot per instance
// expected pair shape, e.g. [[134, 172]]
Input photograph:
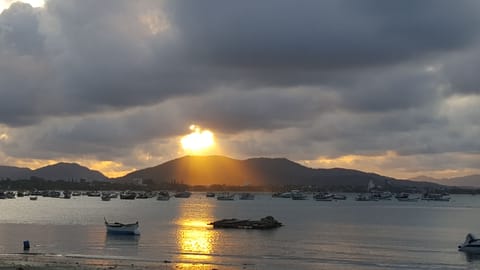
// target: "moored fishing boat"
[[121, 228], [226, 197], [163, 196], [182, 194], [247, 196]]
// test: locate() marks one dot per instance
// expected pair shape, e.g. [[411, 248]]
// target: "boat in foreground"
[[471, 244], [120, 228]]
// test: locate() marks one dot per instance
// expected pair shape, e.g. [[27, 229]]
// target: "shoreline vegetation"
[[41, 261]]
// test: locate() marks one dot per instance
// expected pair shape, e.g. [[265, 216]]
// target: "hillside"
[[463, 181], [59, 171], [208, 170], [14, 172], [68, 171]]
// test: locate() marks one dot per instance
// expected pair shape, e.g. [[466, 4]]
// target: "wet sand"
[[36, 261]]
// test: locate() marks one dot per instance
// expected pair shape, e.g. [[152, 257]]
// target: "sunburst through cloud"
[[198, 141]]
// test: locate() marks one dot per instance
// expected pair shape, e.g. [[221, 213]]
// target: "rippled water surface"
[[317, 235]]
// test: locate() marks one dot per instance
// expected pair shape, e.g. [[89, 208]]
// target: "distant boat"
[[297, 195], [435, 197], [33, 198], [93, 194], [67, 194], [339, 197], [182, 194], [163, 196], [405, 197], [76, 193], [226, 197], [106, 196], [210, 195], [128, 195], [120, 228], [247, 196], [325, 197]]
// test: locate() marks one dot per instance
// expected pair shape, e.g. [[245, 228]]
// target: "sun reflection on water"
[[195, 238]]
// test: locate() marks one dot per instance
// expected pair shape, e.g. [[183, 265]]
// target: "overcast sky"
[[391, 87]]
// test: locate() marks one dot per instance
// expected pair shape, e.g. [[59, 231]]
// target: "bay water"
[[316, 235]]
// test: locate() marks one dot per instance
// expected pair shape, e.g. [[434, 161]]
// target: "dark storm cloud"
[[322, 34], [303, 78]]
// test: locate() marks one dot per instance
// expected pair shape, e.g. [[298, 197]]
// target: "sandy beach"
[[37, 261]]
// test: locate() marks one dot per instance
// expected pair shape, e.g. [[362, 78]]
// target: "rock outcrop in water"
[[265, 223]]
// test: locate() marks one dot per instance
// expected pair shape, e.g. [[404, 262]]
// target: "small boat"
[[128, 195], [106, 196], [120, 228], [471, 244], [94, 194], [247, 196], [210, 195], [324, 197], [339, 197], [226, 197], [163, 196], [405, 197], [265, 223], [67, 194], [33, 198], [297, 195], [76, 193], [436, 197], [182, 194]]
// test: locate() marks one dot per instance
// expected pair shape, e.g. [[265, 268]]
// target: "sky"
[[390, 87]]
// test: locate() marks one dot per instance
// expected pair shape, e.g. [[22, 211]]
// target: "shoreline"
[[41, 261]]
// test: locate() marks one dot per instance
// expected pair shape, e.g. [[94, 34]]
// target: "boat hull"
[[119, 228]]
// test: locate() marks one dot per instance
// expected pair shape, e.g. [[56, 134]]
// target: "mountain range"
[[59, 171], [208, 170], [463, 181], [221, 170]]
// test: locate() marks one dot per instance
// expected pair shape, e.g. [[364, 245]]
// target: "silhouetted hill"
[[208, 170], [68, 171], [9, 172], [463, 181], [59, 171]]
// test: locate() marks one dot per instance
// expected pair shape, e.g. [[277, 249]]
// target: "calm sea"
[[317, 235]]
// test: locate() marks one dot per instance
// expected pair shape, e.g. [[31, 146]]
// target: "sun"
[[198, 141]]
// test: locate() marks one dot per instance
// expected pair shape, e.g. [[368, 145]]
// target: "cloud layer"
[[314, 81]]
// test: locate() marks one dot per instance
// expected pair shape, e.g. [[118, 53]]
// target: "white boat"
[[323, 196], [298, 196], [120, 228], [471, 244]]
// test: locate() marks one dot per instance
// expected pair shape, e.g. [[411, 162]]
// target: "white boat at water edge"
[[121, 228], [471, 244]]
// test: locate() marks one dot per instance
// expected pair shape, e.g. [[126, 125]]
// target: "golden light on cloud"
[[198, 141]]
